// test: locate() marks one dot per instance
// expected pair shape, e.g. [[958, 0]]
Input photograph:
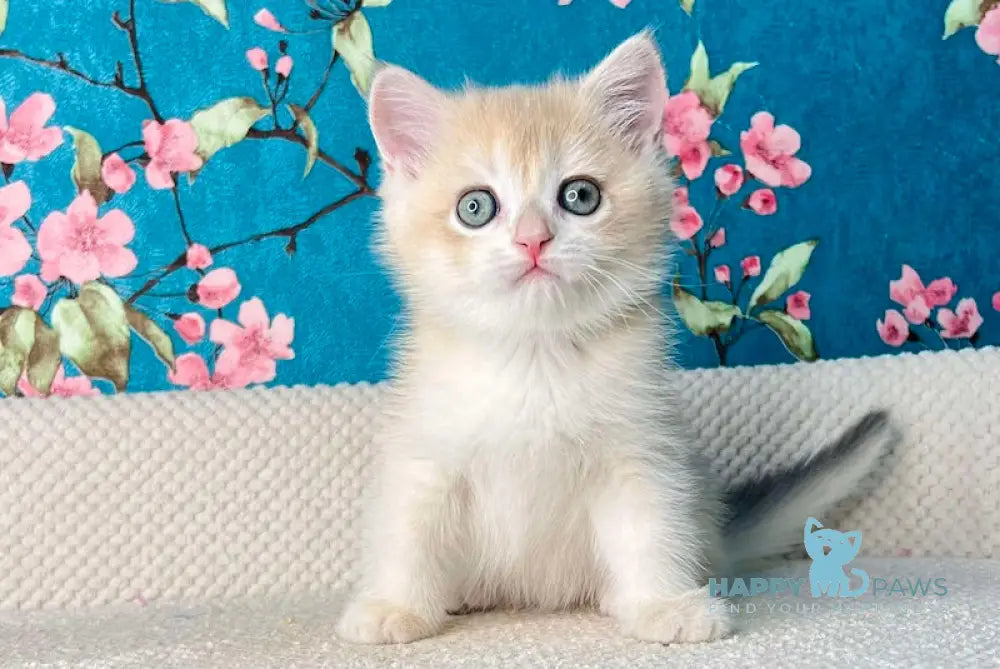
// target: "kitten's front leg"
[[654, 535], [406, 585]]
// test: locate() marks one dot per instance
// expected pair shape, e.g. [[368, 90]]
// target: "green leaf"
[[44, 358], [152, 334], [311, 133], [375, 3], [225, 123], [713, 91], [793, 334], [86, 171], [703, 317], [717, 149], [687, 6], [785, 270], [17, 336], [94, 333], [214, 8], [352, 39], [961, 14], [4, 8]]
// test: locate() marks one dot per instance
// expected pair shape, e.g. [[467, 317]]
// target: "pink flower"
[[769, 152], [81, 247], [917, 311], [265, 19], [29, 291], [750, 266], [198, 257], [797, 305], [15, 200], [191, 327], [893, 330], [988, 32], [718, 239], [729, 179], [218, 288], [171, 147], [681, 197], [284, 66], [26, 137], [909, 286], [762, 202], [722, 274], [259, 342], [996, 301], [62, 386], [190, 370], [257, 58], [961, 323], [117, 174], [686, 124], [686, 222]]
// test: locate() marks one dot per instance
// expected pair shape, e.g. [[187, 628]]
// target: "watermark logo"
[[831, 551]]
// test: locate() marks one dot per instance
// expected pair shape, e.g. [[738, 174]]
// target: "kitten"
[[533, 456], [830, 551]]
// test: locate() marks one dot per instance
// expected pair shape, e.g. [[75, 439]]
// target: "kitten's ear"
[[629, 88], [854, 538], [404, 112]]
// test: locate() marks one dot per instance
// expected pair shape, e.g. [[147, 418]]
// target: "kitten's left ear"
[[405, 114], [629, 88]]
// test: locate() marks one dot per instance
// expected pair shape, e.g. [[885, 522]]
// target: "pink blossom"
[[797, 305], [171, 147], [29, 291], [15, 200], [284, 66], [917, 311], [909, 286], [218, 288], [257, 58], [62, 386], [81, 247], [26, 137], [961, 323], [988, 32], [996, 301], [769, 152], [722, 274], [894, 330], [190, 370], [117, 174], [198, 257], [190, 326], [762, 202], [729, 179], [686, 125], [681, 197], [718, 239], [259, 342], [266, 19], [750, 266], [686, 222]]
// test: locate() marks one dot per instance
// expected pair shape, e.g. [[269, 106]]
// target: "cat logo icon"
[[830, 551]]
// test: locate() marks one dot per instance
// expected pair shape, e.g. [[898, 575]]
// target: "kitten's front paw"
[[691, 618], [377, 621]]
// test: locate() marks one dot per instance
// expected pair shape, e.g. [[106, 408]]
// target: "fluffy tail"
[[766, 515]]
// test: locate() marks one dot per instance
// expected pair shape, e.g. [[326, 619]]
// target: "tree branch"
[[290, 232], [322, 82], [291, 135], [129, 26]]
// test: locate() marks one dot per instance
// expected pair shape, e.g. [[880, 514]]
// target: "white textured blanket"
[[198, 499]]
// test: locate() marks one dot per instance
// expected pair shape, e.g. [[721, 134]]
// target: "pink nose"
[[532, 233]]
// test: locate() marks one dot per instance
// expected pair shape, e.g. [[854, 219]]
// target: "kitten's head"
[[832, 546], [526, 209]]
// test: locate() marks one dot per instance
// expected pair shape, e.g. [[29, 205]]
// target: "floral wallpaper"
[[188, 185]]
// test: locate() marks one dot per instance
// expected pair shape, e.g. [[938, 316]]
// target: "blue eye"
[[476, 208], [580, 196]]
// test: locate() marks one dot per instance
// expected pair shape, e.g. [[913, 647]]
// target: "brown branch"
[[322, 82], [290, 232], [129, 26], [291, 135]]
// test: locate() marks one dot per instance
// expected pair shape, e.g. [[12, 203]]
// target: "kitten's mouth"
[[827, 550], [534, 273]]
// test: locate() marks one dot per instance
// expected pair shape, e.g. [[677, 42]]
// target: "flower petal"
[[15, 200], [33, 113]]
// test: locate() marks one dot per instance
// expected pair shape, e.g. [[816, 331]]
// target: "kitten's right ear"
[[405, 113]]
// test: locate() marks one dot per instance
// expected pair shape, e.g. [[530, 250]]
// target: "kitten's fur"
[[534, 456]]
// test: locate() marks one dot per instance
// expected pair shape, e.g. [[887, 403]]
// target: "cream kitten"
[[533, 456]]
